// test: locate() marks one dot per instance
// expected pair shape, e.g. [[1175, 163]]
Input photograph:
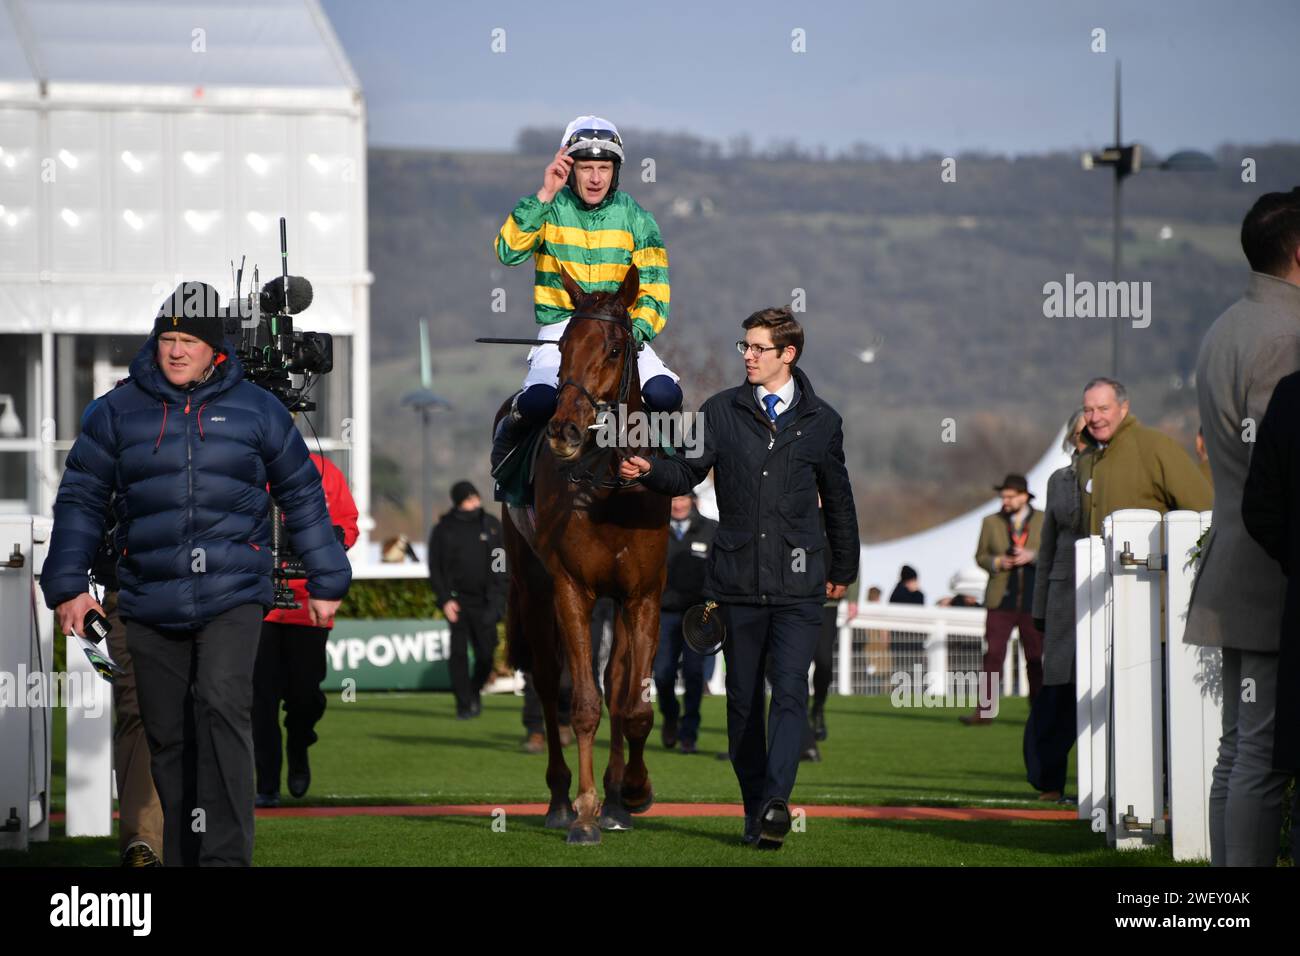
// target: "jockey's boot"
[[510, 431]]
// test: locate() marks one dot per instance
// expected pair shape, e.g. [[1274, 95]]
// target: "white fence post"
[[1009, 663], [1134, 548], [844, 672], [89, 763], [936, 659], [1194, 678], [1092, 690]]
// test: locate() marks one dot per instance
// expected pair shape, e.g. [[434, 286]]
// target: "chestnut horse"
[[593, 536]]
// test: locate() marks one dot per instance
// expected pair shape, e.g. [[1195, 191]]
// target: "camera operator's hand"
[[72, 613], [556, 175], [322, 612], [451, 610]]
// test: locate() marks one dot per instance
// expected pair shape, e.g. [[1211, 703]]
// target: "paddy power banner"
[[391, 654]]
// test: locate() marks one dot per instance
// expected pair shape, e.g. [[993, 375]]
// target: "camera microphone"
[[272, 299]]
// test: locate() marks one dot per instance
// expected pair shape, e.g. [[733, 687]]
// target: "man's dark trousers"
[[779, 642], [1050, 732], [196, 700], [673, 648], [290, 667], [476, 624], [534, 719]]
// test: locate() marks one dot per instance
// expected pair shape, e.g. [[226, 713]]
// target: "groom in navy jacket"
[[773, 446]]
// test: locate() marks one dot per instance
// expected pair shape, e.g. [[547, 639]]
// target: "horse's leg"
[[641, 614], [546, 681], [573, 615], [534, 643], [613, 814]]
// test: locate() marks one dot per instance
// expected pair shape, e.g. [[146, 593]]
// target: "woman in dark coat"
[[1050, 730]]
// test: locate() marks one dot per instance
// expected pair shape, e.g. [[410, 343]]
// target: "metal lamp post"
[[424, 401], [1126, 160]]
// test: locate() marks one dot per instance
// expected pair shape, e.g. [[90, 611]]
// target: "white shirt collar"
[[785, 393]]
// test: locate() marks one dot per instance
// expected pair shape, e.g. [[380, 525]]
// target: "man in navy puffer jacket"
[[188, 447]]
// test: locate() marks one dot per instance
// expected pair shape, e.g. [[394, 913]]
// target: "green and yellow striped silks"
[[595, 246]]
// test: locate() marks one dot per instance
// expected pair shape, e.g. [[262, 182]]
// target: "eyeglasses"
[[744, 349]]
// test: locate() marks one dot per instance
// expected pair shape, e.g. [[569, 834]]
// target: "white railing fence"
[[1148, 706], [884, 640], [26, 667]]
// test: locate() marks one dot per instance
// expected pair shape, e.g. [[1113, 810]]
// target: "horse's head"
[[596, 347]]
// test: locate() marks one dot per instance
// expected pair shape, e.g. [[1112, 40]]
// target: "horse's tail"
[[518, 652]]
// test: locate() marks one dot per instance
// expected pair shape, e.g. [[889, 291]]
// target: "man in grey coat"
[[1051, 728], [1237, 599]]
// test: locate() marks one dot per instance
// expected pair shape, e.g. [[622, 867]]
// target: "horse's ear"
[[570, 286], [631, 287]]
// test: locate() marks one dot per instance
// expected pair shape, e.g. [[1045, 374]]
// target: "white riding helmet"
[[591, 137]]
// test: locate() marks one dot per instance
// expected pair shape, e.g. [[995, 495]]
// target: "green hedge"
[[390, 598]]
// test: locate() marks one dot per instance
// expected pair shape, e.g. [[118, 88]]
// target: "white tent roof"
[[940, 552], [110, 49]]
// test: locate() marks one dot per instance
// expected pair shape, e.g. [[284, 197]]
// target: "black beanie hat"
[[460, 491], [195, 309]]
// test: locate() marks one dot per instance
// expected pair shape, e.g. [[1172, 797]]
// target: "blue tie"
[[770, 401]]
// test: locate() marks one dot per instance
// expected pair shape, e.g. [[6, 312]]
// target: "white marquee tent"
[[147, 141]]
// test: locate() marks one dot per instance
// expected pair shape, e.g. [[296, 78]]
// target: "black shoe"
[[688, 746], [670, 732], [476, 708], [299, 773], [773, 824], [811, 755], [819, 725], [140, 854], [510, 431], [264, 800], [751, 830]]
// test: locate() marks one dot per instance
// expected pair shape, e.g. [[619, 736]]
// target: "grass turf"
[[410, 749]]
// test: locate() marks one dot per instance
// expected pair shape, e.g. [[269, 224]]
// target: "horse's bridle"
[[602, 408]]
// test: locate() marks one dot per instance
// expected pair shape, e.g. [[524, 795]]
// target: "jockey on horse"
[[580, 220]]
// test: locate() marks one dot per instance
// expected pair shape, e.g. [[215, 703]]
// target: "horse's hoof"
[[583, 834], [644, 805], [615, 817], [560, 818]]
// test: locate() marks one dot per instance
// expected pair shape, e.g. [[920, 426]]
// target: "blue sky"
[[1008, 76]]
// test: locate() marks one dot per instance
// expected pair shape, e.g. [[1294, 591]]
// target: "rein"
[[585, 468]]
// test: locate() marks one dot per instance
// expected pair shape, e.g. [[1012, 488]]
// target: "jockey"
[[580, 220]]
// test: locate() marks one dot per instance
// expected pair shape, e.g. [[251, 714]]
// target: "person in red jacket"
[[291, 665]]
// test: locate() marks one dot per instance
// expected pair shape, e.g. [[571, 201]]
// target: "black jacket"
[[901, 595], [1270, 511], [464, 548], [770, 547], [688, 559]]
